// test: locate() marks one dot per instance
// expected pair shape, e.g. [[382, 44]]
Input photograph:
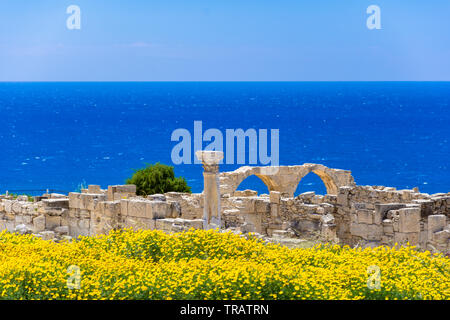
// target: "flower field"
[[212, 265]]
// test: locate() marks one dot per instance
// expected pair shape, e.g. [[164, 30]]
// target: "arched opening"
[[311, 182], [255, 183]]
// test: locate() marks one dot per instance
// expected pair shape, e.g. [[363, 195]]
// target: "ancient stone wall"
[[353, 215], [372, 216]]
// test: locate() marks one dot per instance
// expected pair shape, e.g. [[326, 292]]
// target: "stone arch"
[[285, 179], [332, 178], [230, 181], [322, 173], [310, 182], [258, 183]]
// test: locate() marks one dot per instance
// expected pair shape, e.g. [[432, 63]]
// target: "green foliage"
[[157, 178]]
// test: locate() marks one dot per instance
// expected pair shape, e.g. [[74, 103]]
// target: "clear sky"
[[224, 40]]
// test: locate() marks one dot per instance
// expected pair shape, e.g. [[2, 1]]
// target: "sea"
[[63, 136]]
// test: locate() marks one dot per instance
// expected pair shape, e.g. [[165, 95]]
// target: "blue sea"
[[62, 135]]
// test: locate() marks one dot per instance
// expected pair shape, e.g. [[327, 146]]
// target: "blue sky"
[[232, 40]]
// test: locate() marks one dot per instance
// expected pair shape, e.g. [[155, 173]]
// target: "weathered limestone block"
[[191, 205], [441, 236], [175, 209], [39, 224], [16, 207], [406, 195], [275, 197], [51, 222], [103, 224], [158, 210], [137, 208], [147, 209], [366, 231], [423, 239], [84, 214], [110, 208], [409, 220], [342, 199], [120, 192], [365, 216], [62, 230], [245, 205], [89, 201], [436, 223], [126, 188], [7, 206], [92, 188], [10, 225], [23, 219], [230, 214], [79, 227], [254, 220], [110, 193], [188, 224], [139, 223], [124, 207], [388, 227], [274, 210], [74, 200], [64, 217]]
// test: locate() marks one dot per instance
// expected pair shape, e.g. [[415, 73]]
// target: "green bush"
[[157, 178]]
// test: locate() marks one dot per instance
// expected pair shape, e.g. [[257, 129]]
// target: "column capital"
[[210, 160]]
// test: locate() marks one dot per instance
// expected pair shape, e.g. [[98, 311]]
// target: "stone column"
[[211, 187]]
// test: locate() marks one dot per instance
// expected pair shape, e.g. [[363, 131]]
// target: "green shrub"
[[157, 178]]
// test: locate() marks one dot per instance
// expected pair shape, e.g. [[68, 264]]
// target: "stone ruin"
[[349, 214]]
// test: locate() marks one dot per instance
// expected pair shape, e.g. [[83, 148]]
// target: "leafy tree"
[[157, 178]]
